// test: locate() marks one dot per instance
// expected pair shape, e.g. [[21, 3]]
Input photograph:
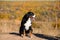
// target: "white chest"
[[28, 24]]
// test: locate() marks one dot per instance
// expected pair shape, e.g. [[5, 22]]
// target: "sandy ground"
[[15, 36]]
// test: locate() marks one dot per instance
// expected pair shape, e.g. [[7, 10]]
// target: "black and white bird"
[[26, 23]]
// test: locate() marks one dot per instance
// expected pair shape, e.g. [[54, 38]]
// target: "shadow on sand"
[[46, 37], [40, 36], [14, 33]]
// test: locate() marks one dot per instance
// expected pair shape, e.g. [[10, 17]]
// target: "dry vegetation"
[[47, 16]]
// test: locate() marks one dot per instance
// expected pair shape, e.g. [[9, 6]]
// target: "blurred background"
[[47, 16]]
